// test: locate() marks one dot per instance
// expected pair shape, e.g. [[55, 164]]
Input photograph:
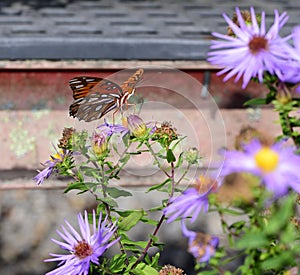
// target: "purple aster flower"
[[291, 67], [84, 248], [192, 200], [109, 129], [276, 165], [251, 50], [50, 166], [201, 246]]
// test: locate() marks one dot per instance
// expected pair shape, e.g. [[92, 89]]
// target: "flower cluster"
[[250, 51], [277, 165], [83, 248], [52, 164], [190, 203]]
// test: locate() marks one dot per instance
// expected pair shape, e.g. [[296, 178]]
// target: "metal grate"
[[65, 29]]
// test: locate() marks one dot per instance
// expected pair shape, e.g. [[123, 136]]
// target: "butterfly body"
[[94, 97]]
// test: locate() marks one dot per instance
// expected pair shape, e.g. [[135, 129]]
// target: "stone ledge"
[[106, 64], [29, 136]]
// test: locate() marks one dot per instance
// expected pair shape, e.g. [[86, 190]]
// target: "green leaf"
[[170, 156], [117, 263], [180, 160], [125, 158], [131, 220], [159, 185], [143, 269], [238, 226], [278, 261], [110, 202], [129, 244], [116, 193], [149, 221], [77, 186], [256, 102], [252, 240], [281, 216]]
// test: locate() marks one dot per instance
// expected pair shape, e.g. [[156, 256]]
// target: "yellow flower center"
[[57, 156], [140, 130], [266, 159]]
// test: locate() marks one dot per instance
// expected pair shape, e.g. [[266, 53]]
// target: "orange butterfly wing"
[[94, 97]]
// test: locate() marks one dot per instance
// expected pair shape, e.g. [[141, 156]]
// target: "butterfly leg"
[[113, 115]]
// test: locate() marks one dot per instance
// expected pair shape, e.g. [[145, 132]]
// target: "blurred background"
[[46, 43]]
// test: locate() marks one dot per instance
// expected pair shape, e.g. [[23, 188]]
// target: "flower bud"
[[192, 155], [283, 94], [99, 144], [136, 126]]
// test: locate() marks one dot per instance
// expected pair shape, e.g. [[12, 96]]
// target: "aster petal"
[[263, 23], [44, 174], [240, 18], [66, 246], [191, 202], [84, 226], [254, 20], [73, 231], [237, 30]]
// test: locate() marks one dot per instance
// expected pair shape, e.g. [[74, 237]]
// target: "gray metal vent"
[[169, 29]]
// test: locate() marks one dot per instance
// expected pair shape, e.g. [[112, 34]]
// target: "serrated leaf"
[[116, 193], [131, 220]]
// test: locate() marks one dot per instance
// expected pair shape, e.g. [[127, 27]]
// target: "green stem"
[[150, 242], [156, 159], [184, 174], [107, 208]]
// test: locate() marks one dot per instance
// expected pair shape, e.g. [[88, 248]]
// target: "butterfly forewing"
[[82, 86]]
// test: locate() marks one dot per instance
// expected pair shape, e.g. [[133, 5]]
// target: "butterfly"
[[95, 97]]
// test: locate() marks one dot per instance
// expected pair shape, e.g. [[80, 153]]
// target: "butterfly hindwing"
[[93, 106]]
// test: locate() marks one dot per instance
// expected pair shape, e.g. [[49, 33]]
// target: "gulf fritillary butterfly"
[[95, 97]]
